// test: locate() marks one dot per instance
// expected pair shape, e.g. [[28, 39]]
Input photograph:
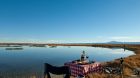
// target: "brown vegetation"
[[130, 63]]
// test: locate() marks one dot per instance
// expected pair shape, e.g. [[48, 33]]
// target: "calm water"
[[32, 58]]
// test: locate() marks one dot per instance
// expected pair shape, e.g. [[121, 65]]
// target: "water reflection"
[[32, 58]]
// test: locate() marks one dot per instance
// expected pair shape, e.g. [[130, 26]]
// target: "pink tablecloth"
[[77, 69]]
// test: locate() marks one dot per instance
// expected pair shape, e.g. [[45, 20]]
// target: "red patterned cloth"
[[77, 69]]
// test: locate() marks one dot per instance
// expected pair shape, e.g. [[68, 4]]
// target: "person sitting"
[[84, 58]]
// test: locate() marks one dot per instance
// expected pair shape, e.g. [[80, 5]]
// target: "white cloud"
[[82, 40], [126, 38], [119, 37]]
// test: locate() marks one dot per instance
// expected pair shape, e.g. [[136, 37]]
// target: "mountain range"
[[116, 42]]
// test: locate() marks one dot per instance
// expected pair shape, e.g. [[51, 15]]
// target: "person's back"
[[83, 56]]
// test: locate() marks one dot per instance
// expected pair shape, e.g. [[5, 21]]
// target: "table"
[[78, 69]]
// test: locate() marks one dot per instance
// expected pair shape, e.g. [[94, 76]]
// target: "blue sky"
[[69, 20]]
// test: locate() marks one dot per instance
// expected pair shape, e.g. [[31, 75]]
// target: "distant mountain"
[[116, 42]]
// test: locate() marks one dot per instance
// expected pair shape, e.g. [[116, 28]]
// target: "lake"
[[33, 58]]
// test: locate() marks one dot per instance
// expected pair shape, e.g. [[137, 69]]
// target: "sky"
[[76, 21]]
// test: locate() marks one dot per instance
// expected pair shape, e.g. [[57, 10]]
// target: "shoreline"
[[130, 62]]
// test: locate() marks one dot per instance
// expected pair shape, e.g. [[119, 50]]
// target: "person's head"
[[83, 52]]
